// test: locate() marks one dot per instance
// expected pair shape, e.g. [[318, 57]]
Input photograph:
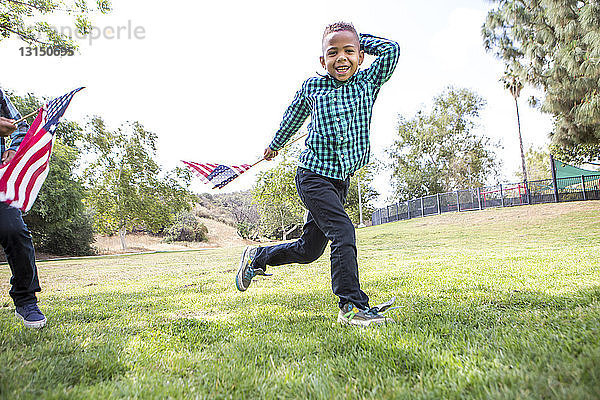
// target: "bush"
[[245, 230], [186, 228], [71, 238]]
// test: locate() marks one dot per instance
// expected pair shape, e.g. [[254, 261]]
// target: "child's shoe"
[[31, 315], [246, 271], [351, 315]]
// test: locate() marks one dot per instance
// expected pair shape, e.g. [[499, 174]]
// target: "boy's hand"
[[7, 126], [270, 154], [8, 155]]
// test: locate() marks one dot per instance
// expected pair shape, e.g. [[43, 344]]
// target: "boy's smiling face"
[[341, 54]]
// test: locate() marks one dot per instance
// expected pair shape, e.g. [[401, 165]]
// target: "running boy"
[[15, 238], [340, 106]]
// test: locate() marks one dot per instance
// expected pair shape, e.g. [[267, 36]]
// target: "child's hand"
[[7, 156], [7, 126], [269, 154]]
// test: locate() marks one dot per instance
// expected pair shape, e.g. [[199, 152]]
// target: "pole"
[[457, 202], [407, 209], [501, 196], [554, 185], [479, 197], [360, 214], [438, 203], [25, 117], [583, 187], [422, 208]]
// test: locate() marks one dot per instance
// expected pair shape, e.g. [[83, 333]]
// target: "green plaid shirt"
[[340, 114]]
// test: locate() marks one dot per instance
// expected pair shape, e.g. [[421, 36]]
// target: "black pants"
[[16, 242], [327, 221]]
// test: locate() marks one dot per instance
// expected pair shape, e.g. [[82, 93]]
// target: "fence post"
[[583, 187], [437, 196], [407, 209], [457, 201], [422, 208], [501, 196], [527, 193], [554, 185], [479, 197]]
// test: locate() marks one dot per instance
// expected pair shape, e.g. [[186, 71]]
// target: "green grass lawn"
[[501, 303]]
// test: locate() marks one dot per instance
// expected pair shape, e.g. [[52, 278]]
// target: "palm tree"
[[513, 84]]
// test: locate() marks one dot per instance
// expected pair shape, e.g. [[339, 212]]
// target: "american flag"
[[217, 175], [21, 179]]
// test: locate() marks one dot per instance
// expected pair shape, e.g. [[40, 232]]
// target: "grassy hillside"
[[503, 303]]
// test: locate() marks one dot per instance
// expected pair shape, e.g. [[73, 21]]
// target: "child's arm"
[[293, 118], [387, 53], [16, 136]]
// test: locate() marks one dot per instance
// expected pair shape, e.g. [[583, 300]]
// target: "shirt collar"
[[336, 84]]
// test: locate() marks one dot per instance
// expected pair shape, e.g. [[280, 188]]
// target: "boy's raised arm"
[[387, 53], [293, 118]]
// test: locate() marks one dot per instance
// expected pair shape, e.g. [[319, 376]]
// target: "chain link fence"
[[505, 195]]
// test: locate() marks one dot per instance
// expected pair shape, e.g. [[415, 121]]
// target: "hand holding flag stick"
[[287, 145], [220, 175], [25, 117]]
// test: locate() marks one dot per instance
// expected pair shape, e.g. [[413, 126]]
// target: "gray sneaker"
[[31, 315], [246, 271], [351, 315]]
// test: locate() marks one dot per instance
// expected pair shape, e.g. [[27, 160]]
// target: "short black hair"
[[338, 27]]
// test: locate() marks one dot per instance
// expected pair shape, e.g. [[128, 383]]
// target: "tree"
[[437, 152], [538, 164], [577, 154], [554, 45], [244, 212], [24, 19], [58, 220], [276, 198], [186, 228], [125, 186], [513, 84]]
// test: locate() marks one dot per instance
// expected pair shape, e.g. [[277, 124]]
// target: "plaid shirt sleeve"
[[293, 118], [387, 53], [7, 110]]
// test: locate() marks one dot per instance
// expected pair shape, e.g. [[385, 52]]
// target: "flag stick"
[[25, 117], [293, 141]]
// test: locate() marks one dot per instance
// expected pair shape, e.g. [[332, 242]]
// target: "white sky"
[[213, 79]]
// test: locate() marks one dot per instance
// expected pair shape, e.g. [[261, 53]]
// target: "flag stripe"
[[25, 161], [35, 183], [30, 172], [8, 168]]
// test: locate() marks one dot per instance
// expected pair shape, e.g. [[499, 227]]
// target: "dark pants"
[[16, 242], [327, 221]]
